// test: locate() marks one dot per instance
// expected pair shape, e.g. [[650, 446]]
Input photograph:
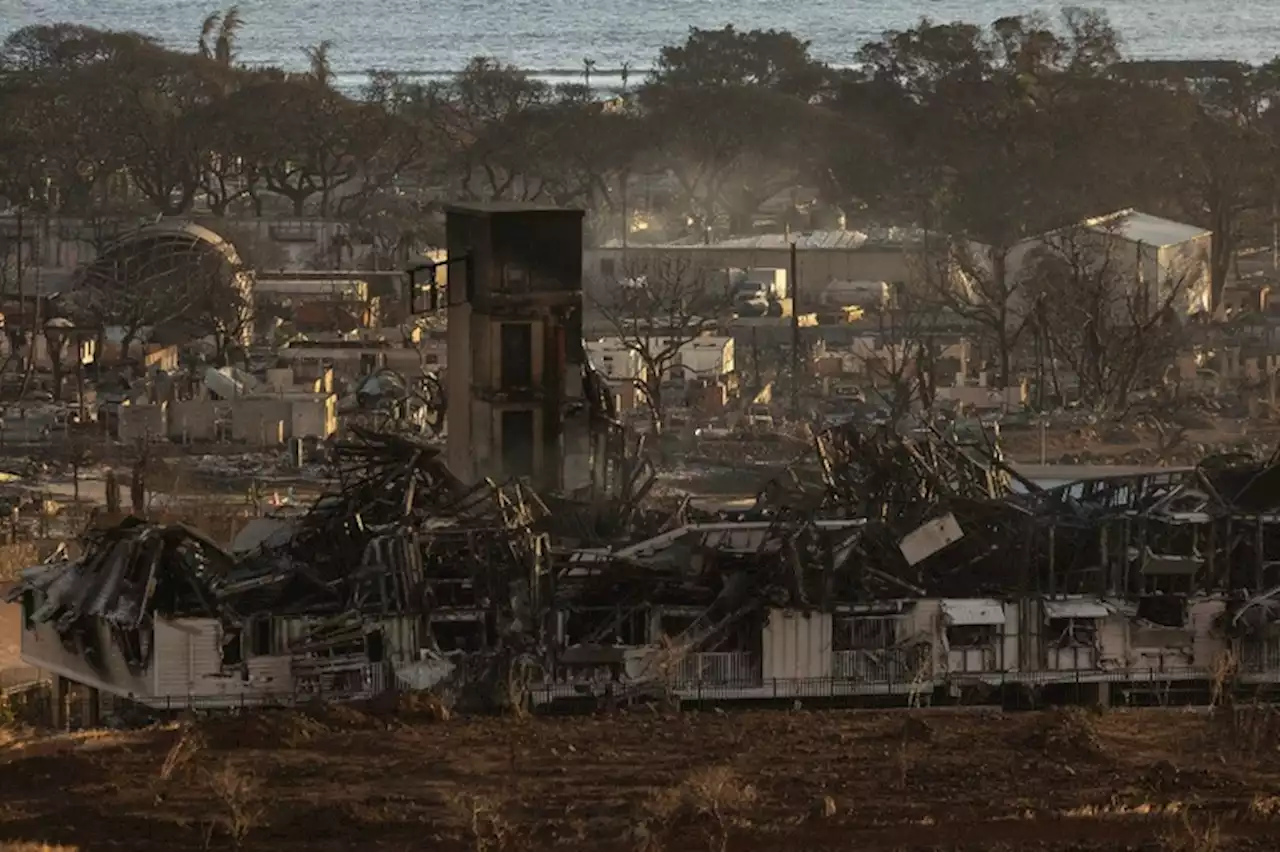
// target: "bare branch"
[[1110, 310], [655, 308]]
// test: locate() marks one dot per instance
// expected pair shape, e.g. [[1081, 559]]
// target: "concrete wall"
[[196, 419], [143, 422], [261, 422], [274, 419], [313, 417]]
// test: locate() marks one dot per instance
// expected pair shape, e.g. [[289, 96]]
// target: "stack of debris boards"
[[126, 576], [404, 538], [629, 511], [941, 519]]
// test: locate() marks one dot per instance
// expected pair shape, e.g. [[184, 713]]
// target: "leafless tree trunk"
[[655, 308]]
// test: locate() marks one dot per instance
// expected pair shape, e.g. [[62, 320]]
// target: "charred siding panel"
[[1012, 639], [43, 649], [401, 638], [1209, 644], [268, 676]]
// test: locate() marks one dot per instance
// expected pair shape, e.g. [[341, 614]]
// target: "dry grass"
[[1070, 733], [713, 799], [190, 742], [1249, 729], [1190, 837], [35, 847], [1222, 676], [487, 826], [240, 795], [809, 780]]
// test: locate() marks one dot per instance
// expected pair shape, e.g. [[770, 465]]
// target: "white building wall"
[[1113, 642], [1207, 647], [1185, 263], [188, 662], [703, 357], [796, 645], [1008, 661], [615, 360], [707, 357]]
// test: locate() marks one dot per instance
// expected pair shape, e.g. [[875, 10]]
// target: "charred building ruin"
[[518, 374], [879, 563]]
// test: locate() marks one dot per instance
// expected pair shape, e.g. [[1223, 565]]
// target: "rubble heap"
[[470, 573], [880, 474]]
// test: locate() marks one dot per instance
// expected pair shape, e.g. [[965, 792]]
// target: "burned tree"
[[899, 353], [655, 309], [1109, 310]]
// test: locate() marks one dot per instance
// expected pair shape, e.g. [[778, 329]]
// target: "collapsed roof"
[[866, 515]]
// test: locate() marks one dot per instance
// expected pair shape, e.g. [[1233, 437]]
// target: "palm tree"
[[226, 25], [626, 75], [318, 57], [588, 65], [207, 29], [224, 47]]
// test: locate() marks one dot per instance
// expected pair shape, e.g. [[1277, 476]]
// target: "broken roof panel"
[[1076, 608], [972, 612]]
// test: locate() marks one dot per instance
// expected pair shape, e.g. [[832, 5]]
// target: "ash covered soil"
[[343, 778]]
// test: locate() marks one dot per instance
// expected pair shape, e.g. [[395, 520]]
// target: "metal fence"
[[1141, 687], [730, 677]]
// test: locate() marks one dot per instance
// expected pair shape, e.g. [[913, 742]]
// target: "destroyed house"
[[945, 575], [880, 564], [358, 594]]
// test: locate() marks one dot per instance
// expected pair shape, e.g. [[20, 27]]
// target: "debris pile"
[[882, 475], [405, 576]]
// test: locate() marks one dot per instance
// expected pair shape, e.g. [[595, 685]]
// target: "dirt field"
[[795, 780]]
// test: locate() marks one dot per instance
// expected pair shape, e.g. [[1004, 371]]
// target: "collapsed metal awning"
[[1077, 608], [972, 612]]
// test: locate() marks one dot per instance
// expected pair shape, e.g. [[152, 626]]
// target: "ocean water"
[[553, 37]]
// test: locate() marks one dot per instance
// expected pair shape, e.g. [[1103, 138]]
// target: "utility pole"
[[626, 210], [18, 259], [795, 332]]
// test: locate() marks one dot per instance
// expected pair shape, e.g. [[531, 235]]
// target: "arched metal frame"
[[160, 260]]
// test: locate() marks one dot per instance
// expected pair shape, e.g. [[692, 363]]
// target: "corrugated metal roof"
[[1076, 608], [825, 239], [1147, 229], [972, 611], [805, 241]]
